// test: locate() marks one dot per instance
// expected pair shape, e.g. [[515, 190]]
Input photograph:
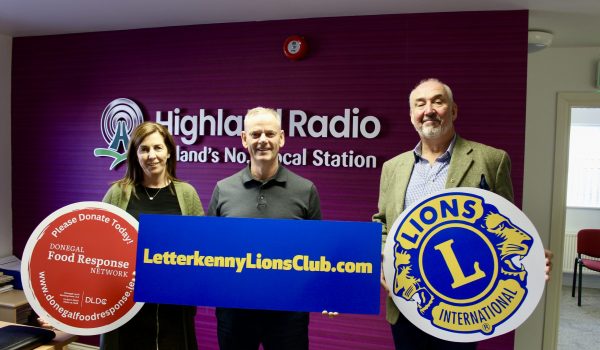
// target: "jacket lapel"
[[460, 163], [401, 178]]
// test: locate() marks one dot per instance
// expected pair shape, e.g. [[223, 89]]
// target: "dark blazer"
[[469, 161]]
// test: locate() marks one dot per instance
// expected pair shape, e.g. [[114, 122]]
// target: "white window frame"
[[583, 186]]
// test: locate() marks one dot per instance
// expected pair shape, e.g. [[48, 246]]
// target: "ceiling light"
[[538, 40]]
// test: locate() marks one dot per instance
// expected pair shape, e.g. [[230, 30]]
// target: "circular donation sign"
[[78, 268], [464, 265]]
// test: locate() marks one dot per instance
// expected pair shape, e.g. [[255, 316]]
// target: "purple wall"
[[61, 85]]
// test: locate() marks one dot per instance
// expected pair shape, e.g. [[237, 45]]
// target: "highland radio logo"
[[119, 118], [459, 264]]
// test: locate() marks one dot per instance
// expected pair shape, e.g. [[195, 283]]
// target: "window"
[[583, 187]]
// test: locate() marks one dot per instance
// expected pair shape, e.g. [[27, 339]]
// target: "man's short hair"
[[447, 90], [262, 110]]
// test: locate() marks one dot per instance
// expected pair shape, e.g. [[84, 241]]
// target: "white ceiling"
[[46, 17]]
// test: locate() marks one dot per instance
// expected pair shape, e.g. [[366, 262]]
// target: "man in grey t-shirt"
[[264, 189]]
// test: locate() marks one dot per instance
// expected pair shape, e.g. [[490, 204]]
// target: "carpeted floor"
[[579, 327]]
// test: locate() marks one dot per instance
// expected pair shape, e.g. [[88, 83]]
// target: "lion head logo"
[[513, 244], [409, 285]]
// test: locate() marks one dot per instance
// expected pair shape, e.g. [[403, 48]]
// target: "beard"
[[431, 131], [434, 130]]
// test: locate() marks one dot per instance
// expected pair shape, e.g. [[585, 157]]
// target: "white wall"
[[5, 152], [553, 70]]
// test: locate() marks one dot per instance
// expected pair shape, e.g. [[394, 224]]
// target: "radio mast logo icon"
[[119, 118]]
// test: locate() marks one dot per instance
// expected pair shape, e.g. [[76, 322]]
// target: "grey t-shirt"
[[284, 196]]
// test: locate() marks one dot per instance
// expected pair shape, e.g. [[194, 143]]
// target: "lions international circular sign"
[[78, 268], [464, 265]]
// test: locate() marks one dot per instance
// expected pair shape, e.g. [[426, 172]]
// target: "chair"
[[588, 244]]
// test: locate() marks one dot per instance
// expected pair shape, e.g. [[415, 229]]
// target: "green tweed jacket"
[[188, 199], [469, 161]]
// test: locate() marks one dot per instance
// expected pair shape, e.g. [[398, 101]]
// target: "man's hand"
[[382, 279], [330, 314], [549, 255]]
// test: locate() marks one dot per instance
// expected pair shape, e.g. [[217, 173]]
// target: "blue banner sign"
[[270, 264]]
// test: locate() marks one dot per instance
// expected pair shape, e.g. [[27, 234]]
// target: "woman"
[[151, 187]]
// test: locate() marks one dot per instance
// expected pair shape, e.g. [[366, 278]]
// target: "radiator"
[[570, 252]]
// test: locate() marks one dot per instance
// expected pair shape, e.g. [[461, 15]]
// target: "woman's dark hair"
[[134, 174]]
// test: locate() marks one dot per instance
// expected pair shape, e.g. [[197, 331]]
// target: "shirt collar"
[[280, 176], [445, 157]]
